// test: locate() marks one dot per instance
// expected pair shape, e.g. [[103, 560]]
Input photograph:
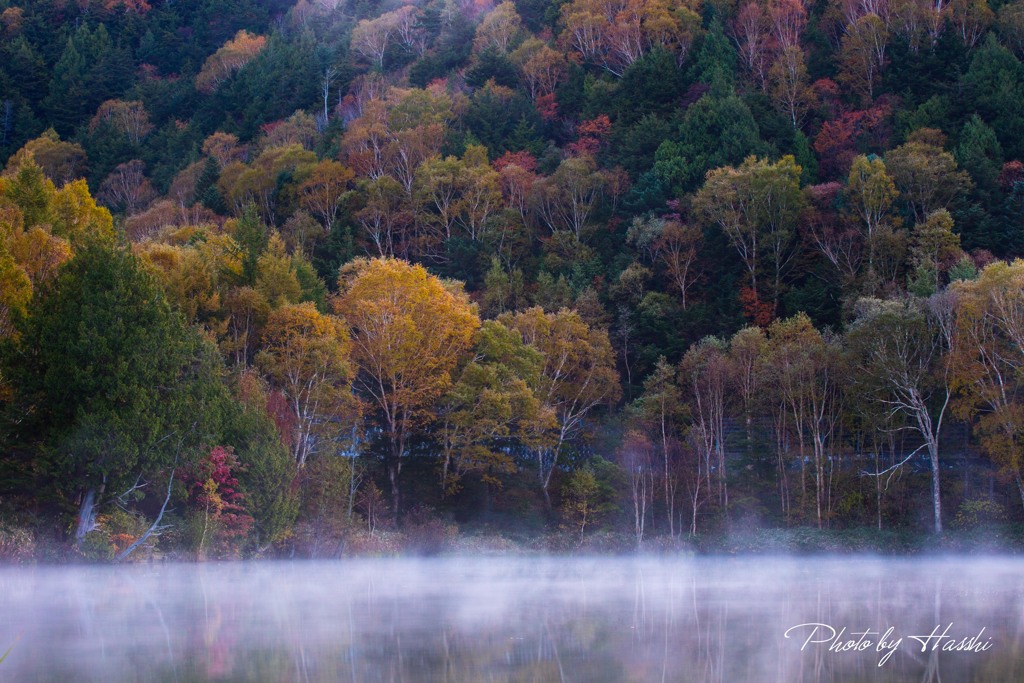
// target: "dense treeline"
[[657, 267]]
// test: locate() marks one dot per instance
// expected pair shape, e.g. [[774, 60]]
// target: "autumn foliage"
[[228, 59], [217, 504], [726, 260], [409, 330]]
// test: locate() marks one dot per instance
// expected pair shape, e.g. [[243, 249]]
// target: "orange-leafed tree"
[[518, 174], [224, 148], [323, 193], [396, 133], [231, 57], [39, 253], [543, 67]]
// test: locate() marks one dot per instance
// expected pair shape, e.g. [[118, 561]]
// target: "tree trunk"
[[86, 516], [545, 477], [156, 523], [819, 476], [723, 482], [936, 503], [352, 486], [396, 426], [1020, 486], [878, 490], [542, 480], [669, 493], [781, 449], [444, 471], [693, 519], [393, 469]]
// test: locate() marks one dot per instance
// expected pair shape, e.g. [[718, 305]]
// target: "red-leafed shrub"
[[220, 522]]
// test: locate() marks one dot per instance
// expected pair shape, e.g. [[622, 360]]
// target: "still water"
[[521, 619]]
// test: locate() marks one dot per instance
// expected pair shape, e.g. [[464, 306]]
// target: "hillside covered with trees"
[[330, 277]]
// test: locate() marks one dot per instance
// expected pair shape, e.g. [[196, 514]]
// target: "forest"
[[333, 278]]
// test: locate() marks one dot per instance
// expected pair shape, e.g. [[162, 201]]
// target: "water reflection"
[[523, 619]]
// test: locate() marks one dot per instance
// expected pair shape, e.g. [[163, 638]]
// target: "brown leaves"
[[128, 118], [987, 363], [127, 188]]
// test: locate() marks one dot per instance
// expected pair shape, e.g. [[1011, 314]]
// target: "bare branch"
[[894, 467]]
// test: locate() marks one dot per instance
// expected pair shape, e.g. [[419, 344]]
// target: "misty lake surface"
[[520, 619]]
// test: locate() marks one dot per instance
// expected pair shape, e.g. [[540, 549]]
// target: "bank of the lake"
[[26, 545]]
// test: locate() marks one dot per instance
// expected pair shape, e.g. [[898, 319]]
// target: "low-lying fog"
[[521, 619]]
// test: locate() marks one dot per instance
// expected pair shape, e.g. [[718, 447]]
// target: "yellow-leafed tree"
[[409, 330], [306, 357]]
